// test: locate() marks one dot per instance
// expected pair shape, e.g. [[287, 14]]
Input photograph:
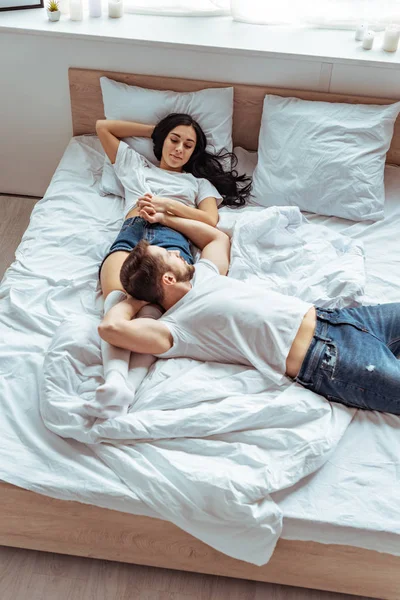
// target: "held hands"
[[152, 208], [157, 202], [151, 216]]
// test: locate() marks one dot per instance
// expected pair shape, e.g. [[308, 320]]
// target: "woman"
[[189, 183]]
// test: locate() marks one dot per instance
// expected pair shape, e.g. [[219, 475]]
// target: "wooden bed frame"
[[30, 520]]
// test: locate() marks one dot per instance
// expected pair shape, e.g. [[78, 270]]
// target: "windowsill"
[[209, 34]]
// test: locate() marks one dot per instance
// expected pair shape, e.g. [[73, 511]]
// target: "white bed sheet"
[[355, 497], [34, 458]]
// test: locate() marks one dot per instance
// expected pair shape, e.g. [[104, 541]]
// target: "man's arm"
[[146, 336], [207, 212], [214, 244]]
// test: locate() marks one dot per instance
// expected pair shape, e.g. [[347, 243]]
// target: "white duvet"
[[205, 444]]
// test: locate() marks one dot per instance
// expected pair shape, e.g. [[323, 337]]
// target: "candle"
[[115, 8], [94, 8], [63, 6], [75, 10], [391, 38], [368, 40], [361, 29]]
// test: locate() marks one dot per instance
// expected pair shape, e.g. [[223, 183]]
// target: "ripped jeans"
[[354, 356]]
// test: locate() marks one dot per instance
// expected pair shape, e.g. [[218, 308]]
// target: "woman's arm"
[[110, 132]]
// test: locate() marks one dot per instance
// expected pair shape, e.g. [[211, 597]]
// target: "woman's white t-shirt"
[[225, 320], [138, 176]]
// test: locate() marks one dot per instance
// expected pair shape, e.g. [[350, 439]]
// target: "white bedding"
[[60, 278], [205, 444]]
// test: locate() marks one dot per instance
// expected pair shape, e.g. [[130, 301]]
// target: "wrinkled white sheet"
[[278, 248], [355, 498], [204, 444], [351, 499]]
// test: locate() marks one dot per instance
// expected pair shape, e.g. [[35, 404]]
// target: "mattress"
[[352, 499]]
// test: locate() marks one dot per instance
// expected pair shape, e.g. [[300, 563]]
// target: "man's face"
[[175, 263]]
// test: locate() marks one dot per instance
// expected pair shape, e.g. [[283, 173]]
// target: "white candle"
[[368, 40], [391, 38], [94, 8], [63, 6], [75, 10], [361, 29], [115, 8]]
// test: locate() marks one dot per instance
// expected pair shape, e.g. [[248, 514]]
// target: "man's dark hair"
[[141, 274]]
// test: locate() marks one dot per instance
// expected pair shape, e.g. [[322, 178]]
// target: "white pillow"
[[247, 161], [211, 108], [324, 157]]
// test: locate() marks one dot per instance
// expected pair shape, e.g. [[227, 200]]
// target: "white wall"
[[35, 119]]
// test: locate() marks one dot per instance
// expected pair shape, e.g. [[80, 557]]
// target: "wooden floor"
[[31, 575], [14, 219]]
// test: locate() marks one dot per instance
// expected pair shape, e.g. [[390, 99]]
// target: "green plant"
[[52, 6]]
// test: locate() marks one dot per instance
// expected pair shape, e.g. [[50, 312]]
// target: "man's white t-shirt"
[[138, 176], [225, 320]]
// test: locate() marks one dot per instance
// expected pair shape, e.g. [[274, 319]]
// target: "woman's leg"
[[140, 364], [114, 396], [123, 370]]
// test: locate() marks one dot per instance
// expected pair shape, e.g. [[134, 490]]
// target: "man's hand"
[[125, 310], [121, 313], [151, 216], [134, 304], [159, 204]]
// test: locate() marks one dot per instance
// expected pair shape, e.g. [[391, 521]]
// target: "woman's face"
[[178, 147]]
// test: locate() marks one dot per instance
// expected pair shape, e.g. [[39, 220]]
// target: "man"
[[346, 355]]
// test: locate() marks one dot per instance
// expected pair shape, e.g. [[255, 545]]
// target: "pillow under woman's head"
[[324, 157]]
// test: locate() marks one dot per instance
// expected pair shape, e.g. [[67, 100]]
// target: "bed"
[[58, 497]]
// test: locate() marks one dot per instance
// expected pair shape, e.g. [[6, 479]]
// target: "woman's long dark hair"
[[234, 188]]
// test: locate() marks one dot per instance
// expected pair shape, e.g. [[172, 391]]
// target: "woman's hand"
[[159, 204], [151, 215]]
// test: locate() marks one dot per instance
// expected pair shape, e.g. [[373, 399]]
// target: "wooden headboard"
[[87, 103]]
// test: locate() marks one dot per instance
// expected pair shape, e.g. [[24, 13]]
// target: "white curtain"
[[343, 14], [182, 8]]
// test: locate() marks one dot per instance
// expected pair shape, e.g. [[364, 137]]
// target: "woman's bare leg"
[[109, 275]]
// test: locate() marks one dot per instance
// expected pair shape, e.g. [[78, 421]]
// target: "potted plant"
[[53, 11]]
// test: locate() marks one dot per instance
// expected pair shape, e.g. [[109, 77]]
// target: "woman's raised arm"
[[110, 132]]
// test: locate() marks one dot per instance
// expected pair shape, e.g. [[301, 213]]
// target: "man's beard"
[[185, 275]]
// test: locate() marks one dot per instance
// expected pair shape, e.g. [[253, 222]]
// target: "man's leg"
[[382, 320], [358, 368]]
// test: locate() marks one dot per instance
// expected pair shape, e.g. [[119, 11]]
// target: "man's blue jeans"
[[352, 358]]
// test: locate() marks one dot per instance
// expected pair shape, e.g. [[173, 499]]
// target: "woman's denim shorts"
[[136, 229]]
